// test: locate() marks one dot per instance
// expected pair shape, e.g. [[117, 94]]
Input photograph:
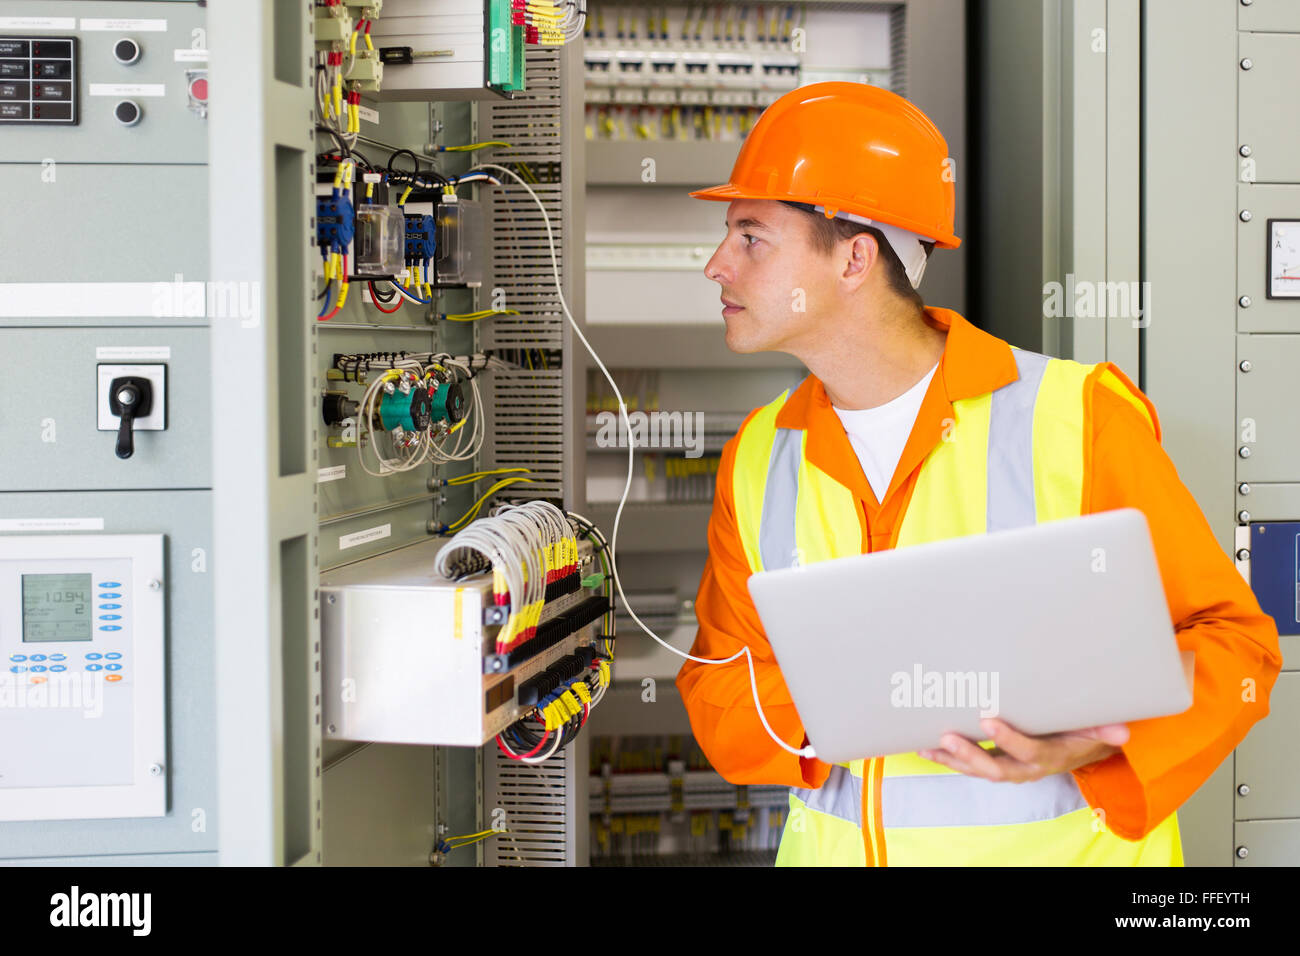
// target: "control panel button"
[[94, 667], [36, 668], [112, 677], [58, 657], [93, 657], [110, 627], [112, 656], [108, 597], [126, 51], [110, 617], [199, 89], [18, 657], [58, 667], [17, 669], [109, 584], [37, 657], [112, 667], [127, 112], [109, 607]]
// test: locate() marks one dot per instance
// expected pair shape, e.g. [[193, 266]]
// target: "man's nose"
[[717, 268]]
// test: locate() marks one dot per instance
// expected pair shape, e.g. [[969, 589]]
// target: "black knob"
[[127, 112], [126, 51], [129, 397]]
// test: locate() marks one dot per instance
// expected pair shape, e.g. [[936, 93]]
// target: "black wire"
[[401, 176], [343, 146]]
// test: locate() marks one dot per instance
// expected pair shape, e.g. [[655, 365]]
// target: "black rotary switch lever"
[[129, 397]]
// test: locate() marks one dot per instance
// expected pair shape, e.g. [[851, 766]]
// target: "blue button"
[[38, 657], [112, 667], [57, 657], [93, 657], [110, 595], [58, 667], [112, 656], [38, 668], [110, 617], [18, 668], [109, 607], [18, 657], [93, 667], [110, 627], [109, 584]]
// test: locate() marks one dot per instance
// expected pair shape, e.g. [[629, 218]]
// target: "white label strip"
[[367, 114], [333, 473], [38, 23], [123, 23], [133, 352], [51, 524], [51, 300], [190, 56], [128, 89], [361, 537]]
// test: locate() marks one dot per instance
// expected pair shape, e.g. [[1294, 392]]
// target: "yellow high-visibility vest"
[[1012, 457]]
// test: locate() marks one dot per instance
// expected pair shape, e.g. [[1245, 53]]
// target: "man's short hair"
[[827, 232]]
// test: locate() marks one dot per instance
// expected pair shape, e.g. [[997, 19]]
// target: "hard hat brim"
[[728, 193]]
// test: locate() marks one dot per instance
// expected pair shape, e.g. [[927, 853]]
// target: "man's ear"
[[863, 254]]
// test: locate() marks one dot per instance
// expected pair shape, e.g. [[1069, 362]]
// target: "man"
[[915, 426]]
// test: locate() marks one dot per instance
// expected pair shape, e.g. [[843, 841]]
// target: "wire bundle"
[[550, 22], [432, 445], [530, 545]]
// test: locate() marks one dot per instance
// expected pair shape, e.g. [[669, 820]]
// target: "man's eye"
[[750, 240]]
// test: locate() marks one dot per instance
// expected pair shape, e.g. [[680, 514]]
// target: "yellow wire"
[[475, 316], [474, 508], [473, 146], [468, 479]]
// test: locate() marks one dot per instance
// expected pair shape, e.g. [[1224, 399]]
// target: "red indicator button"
[[199, 89]]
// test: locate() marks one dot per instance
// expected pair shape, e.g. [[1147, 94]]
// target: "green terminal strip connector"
[[505, 61], [593, 580]]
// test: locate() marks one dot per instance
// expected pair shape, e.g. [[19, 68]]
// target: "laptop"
[[1052, 627]]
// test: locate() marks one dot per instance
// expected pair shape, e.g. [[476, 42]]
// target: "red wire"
[[374, 300], [531, 753], [326, 318]]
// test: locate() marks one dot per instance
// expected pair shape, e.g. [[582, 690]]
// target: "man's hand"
[[1017, 758]]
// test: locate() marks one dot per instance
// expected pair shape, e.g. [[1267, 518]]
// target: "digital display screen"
[[57, 607]]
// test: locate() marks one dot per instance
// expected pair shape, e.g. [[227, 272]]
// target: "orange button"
[[112, 677], [38, 680]]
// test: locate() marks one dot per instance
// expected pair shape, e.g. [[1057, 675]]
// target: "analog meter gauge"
[[1284, 258]]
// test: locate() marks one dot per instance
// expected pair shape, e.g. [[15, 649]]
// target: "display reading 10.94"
[[57, 607]]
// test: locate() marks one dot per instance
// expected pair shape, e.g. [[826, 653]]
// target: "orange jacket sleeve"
[[718, 697], [1214, 612]]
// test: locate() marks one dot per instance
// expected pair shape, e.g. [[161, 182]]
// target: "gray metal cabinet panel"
[[1263, 202], [1267, 397], [52, 378], [1268, 760], [1269, 843], [190, 826], [1269, 15], [167, 127], [1266, 95]]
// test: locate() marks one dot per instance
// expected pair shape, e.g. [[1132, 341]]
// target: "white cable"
[[631, 446]]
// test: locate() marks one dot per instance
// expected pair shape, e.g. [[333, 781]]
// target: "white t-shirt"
[[878, 435]]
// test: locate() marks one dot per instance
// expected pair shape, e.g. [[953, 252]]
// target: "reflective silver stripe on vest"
[[776, 528], [1011, 446], [840, 796], [956, 800]]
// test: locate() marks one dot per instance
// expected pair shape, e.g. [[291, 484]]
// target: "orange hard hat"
[[849, 148]]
